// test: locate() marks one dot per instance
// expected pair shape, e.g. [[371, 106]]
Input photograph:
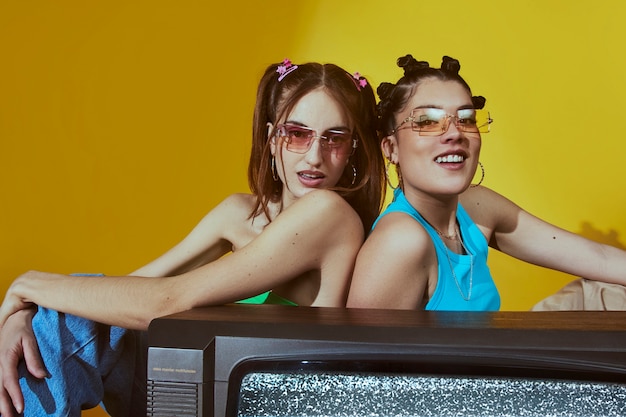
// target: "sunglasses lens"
[[466, 121], [429, 122], [297, 139], [339, 141]]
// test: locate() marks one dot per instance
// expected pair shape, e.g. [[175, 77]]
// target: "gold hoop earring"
[[353, 175], [482, 175], [274, 174], [387, 175]]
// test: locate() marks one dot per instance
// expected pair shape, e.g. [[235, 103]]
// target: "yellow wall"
[[123, 122]]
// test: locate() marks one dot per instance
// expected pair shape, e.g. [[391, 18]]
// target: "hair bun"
[[403, 61], [479, 102], [450, 65], [384, 90], [411, 65]]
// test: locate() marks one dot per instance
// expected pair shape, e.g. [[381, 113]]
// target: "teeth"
[[449, 158], [310, 175]]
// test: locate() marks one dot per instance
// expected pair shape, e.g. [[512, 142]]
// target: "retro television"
[[281, 361]]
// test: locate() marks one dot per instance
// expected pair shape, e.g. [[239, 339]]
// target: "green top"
[[267, 298]]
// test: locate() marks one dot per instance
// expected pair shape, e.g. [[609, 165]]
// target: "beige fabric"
[[584, 294]]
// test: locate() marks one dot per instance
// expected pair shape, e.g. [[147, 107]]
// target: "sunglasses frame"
[[281, 131], [483, 128]]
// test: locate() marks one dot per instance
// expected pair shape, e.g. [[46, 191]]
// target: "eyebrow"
[[433, 106], [336, 128]]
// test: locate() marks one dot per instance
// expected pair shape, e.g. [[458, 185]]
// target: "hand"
[[17, 342], [13, 302]]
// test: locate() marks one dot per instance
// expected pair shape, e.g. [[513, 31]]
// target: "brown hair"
[[276, 99]]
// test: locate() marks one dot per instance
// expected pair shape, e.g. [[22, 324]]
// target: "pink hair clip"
[[359, 81], [286, 68]]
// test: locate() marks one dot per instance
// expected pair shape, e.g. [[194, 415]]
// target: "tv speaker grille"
[[172, 399]]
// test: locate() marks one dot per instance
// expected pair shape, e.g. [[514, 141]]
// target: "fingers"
[[32, 358], [11, 398], [17, 343], [6, 406]]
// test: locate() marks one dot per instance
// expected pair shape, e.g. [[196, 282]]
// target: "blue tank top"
[[452, 292]]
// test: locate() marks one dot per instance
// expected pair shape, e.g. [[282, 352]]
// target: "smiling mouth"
[[450, 159]]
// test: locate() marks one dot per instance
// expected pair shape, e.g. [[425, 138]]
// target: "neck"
[[438, 211]]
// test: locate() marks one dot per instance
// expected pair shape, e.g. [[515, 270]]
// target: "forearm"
[[579, 257], [609, 265], [130, 302], [133, 302]]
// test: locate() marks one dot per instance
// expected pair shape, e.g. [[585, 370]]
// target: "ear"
[[389, 146], [271, 137]]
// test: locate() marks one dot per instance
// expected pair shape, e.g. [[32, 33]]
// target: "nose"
[[314, 155], [451, 130]]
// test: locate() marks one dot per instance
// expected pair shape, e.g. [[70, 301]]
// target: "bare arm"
[[518, 233], [205, 243], [393, 266], [318, 232]]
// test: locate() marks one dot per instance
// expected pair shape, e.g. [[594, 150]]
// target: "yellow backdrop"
[[123, 122]]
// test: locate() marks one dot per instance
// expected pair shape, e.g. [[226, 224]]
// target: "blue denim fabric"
[[88, 363]]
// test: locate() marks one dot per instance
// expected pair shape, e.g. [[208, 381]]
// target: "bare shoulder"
[[227, 219], [478, 196], [401, 234], [235, 207], [482, 202], [325, 206], [483, 196], [491, 211], [400, 250], [238, 202], [321, 220]]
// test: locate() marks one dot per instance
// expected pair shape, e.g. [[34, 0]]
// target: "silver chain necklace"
[[456, 281]]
